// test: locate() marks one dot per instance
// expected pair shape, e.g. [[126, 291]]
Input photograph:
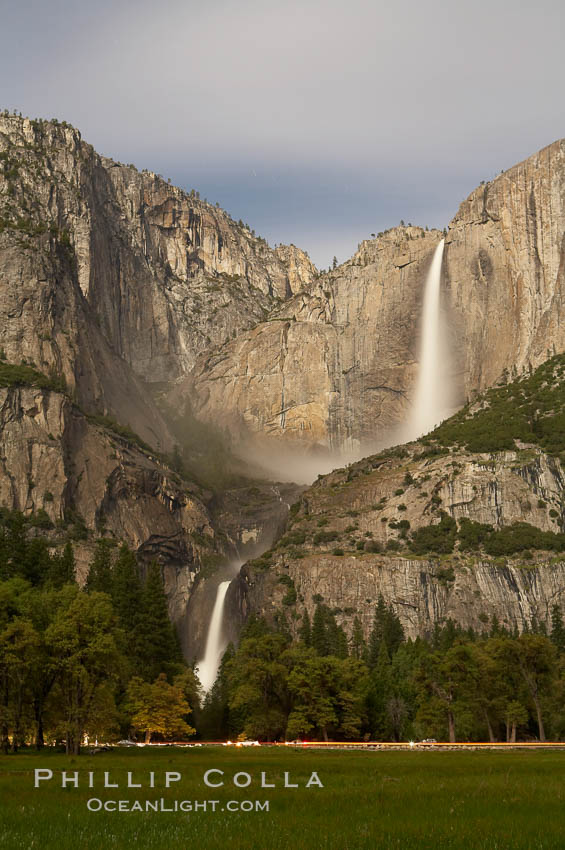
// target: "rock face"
[[334, 366], [45, 319], [365, 503], [252, 517], [356, 328], [165, 275], [83, 475], [416, 589], [111, 279], [505, 271]]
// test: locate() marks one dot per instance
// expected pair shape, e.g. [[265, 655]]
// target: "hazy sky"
[[317, 122]]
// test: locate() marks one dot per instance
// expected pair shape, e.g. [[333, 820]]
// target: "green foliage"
[[531, 409], [100, 571], [66, 654], [327, 638], [325, 536], [27, 376], [160, 646], [521, 536], [445, 575], [292, 538], [305, 630], [123, 431], [28, 557], [291, 596], [472, 534], [387, 633], [328, 696], [435, 538]]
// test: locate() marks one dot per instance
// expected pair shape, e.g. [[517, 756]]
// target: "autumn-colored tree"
[[158, 708]]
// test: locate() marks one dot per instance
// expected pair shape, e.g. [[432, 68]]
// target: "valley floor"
[[370, 799]]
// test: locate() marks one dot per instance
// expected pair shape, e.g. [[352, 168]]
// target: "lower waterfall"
[[207, 669]]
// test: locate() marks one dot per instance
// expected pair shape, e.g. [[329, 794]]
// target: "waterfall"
[[208, 667], [430, 401]]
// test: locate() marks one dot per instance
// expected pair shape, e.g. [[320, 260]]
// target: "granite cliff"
[[353, 327], [503, 293], [111, 279]]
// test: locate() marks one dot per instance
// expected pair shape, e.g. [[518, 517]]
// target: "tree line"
[[454, 685], [103, 661]]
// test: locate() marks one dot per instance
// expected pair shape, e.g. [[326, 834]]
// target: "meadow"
[[414, 799]]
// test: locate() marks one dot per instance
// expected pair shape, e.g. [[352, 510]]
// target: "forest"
[[100, 662]]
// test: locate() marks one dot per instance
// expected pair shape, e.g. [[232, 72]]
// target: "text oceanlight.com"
[[162, 805]]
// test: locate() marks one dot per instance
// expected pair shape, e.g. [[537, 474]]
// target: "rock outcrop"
[[334, 366], [516, 595], [377, 504], [164, 273], [505, 271], [90, 481]]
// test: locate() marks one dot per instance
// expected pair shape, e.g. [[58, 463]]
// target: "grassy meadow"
[[369, 800]]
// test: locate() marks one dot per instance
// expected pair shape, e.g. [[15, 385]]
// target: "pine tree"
[[358, 643], [161, 650], [379, 694], [377, 632], [62, 567], [319, 637], [214, 720], [100, 570], [305, 630], [393, 633], [336, 639], [557, 628], [125, 589]]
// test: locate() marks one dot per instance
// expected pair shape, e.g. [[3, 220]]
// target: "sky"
[[316, 122]]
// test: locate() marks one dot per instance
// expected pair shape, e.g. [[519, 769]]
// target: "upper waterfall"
[[431, 398]]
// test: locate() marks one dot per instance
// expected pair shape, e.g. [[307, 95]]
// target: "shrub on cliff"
[[438, 538]]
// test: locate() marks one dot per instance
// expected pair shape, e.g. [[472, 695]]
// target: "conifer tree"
[[125, 590], [161, 650], [387, 630], [358, 643], [305, 630], [557, 628], [100, 571], [377, 632], [62, 567], [319, 637], [215, 720]]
